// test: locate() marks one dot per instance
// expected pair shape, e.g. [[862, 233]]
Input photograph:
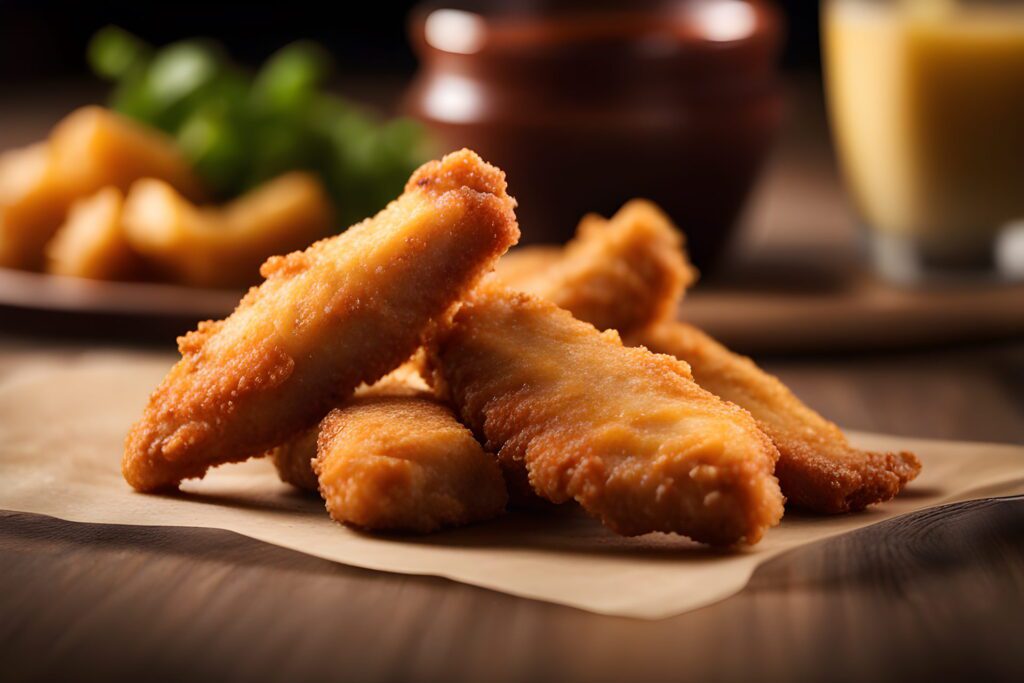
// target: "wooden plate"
[[37, 302], [863, 314]]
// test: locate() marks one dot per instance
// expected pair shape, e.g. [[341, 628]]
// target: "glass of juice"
[[926, 100]]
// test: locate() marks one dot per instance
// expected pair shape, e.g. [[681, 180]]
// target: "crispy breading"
[[344, 312], [395, 458], [293, 459], [623, 273], [817, 468], [626, 433]]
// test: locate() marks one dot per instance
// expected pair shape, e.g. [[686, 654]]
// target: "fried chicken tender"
[[818, 468], [293, 459], [345, 311], [622, 273], [91, 148], [626, 433], [395, 458]]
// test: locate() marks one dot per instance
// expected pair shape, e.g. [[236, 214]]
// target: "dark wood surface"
[[938, 595]]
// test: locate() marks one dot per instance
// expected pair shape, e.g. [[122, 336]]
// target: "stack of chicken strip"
[[519, 359], [818, 468]]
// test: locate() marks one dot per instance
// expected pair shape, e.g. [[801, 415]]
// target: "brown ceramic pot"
[[587, 105]]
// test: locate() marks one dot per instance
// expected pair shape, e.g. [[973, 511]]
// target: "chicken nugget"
[[395, 458], [625, 432], [293, 459], [343, 312], [818, 468], [623, 273]]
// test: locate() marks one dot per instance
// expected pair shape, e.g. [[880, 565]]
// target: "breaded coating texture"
[[293, 459], [817, 468], [626, 433], [623, 273], [343, 312], [395, 458]]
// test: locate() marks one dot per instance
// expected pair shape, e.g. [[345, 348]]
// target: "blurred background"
[[716, 109], [46, 42]]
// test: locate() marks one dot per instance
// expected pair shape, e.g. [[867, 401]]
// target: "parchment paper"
[[61, 434]]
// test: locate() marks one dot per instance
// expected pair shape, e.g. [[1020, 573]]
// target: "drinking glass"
[[926, 101]]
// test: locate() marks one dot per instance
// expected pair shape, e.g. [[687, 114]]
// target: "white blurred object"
[[1010, 250], [724, 21], [455, 31]]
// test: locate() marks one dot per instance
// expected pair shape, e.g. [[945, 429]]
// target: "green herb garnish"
[[240, 129]]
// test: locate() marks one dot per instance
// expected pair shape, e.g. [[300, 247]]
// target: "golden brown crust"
[[395, 458], [624, 432], [91, 148], [623, 273], [817, 468], [293, 461], [596, 280], [344, 312]]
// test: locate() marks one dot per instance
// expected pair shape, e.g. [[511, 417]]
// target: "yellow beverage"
[[927, 107]]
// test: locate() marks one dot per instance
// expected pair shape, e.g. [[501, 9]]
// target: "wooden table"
[[938, 595]]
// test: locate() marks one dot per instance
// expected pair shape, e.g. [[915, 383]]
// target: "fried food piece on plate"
[[32, 205], [91, 242], [626, 433], [224, 246], [345, 311], [88, 150], [94, 147], [818, 468], [622, 273], [395, 458]]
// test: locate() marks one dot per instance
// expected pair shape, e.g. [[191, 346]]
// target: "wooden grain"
[[935, 595]]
